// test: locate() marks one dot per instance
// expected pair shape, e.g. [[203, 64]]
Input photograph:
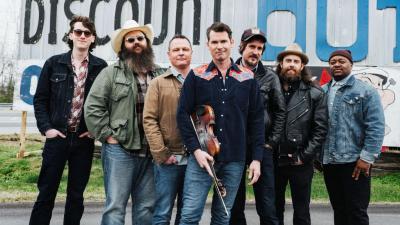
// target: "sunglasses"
[[79, 33], [133, 39]]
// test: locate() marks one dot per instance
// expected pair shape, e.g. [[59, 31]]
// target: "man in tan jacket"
[[159, 123]]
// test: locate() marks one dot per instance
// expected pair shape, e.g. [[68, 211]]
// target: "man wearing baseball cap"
[[251, 48], [304, 133], [114, 115], [356, 131]]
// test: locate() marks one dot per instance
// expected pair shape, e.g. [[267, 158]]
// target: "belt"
[[73, 129]]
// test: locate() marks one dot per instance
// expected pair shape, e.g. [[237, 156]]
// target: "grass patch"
[[18, 177]]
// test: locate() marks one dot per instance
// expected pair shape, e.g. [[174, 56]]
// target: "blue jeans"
[[57, 152], [127, 175], [198, 183], [169, 185]]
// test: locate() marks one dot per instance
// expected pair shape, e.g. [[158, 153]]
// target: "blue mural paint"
[[297, 8], [383, 4], [360, 47], [25, 87]]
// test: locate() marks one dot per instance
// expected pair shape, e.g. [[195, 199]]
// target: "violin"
[[203, 120]]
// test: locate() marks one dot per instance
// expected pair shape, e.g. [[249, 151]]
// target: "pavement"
[[321, 214], [10, 122]]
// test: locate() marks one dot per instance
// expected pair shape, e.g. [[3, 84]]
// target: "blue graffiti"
[[297, 8], [25, 87], [383, 4]]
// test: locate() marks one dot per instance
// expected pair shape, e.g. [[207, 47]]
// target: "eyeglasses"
[[79, 33], [133, 39]]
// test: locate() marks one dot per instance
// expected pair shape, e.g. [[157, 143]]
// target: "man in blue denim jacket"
[[355, 136]]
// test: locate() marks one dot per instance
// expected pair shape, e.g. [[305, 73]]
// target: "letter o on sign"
[[26, 80]]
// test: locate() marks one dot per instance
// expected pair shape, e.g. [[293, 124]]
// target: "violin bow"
[[213, 172]]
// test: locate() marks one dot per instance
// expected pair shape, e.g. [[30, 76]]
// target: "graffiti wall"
[[370, 29]]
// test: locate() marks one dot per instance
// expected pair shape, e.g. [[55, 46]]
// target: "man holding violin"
[[233, 94]]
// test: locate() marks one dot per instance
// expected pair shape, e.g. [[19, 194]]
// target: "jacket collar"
[[260, 68], [66, 59], [349, 82], [233, 66]]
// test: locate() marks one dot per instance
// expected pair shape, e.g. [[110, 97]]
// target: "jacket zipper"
[[301, 114], [302, 100]]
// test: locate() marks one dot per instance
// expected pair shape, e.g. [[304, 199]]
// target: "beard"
[[139, 62], [290, 78]]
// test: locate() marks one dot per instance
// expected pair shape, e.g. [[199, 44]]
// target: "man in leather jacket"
[[304, 133], [64, 83], [251, 48]]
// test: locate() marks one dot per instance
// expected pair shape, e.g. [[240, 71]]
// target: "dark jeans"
[[349, 198], [264, 191], [78, 152], [299, 178]]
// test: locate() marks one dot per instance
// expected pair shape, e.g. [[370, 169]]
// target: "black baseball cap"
[[253, 32]]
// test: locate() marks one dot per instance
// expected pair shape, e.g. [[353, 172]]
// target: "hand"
[[86, 134], [254, 171], [361, 166], [171, 160], [298, 162], [111, 140], [203, 159], [52, 133]]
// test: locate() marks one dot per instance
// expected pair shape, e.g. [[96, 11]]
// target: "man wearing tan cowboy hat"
[[305, 130], [114, 115]]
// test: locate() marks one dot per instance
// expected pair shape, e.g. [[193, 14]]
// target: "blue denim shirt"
[[238, 109], [356, 124]]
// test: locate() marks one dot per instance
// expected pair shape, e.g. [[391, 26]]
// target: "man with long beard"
[[114, 115], [305, 130]]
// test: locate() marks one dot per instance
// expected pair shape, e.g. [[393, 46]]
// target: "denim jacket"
[[356, 125], [55, 90]]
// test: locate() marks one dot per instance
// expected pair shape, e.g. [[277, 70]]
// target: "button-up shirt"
[[333, 89], [237, 107], [177, 75]]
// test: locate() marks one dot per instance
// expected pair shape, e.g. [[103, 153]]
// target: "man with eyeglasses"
[[114, 114], [65, 81]]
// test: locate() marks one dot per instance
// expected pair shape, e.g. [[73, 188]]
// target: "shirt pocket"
[[352, 103], [241, 97], [120, 91], [58, 84]]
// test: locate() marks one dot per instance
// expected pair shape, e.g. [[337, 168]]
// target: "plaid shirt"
[[142, 90]]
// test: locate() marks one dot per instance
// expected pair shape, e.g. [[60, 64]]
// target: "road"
[[10, 122], [18, 214]]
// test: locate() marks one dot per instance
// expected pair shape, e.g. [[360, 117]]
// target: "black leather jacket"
[[306, 125], [274, 104], [55, 89]]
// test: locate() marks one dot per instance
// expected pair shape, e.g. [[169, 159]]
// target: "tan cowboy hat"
[[130, 25], [293, 49]]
